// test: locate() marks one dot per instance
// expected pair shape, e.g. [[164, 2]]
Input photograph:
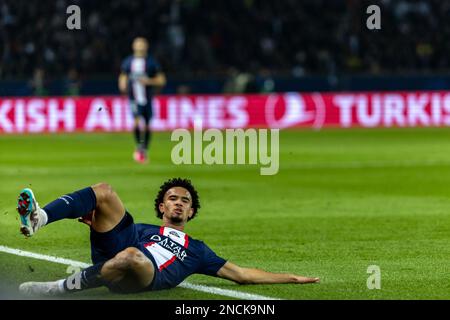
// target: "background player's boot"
[[31, 216], [137, 155], [41, 288], [140, 155], [144, 156]]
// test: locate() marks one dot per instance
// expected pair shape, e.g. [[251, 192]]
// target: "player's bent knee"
[[103, 192], [131, 252], [131, 258], [134, 271], [136, 258]]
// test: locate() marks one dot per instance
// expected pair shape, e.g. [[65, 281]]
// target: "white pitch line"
[[39, 256], [187, 285], [225, 292]]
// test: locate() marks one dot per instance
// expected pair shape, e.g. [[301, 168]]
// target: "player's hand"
[[123, 89], [305, 280], [123, 83], [145, 81], [87, 219]]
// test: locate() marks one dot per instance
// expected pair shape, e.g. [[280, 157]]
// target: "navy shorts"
[[144, 111], [105, 245]]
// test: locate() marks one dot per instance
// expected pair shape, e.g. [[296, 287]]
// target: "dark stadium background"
[[311, 45]]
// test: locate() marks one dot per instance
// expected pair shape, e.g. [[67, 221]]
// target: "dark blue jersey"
[[175, 255], [135, 68]]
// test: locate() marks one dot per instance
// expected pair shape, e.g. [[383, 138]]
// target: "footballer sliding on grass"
[[129, 257]]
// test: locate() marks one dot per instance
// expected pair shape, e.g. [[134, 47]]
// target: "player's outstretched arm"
[[242, 275]]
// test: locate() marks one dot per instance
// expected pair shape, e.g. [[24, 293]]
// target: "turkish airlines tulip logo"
[[291, 109]]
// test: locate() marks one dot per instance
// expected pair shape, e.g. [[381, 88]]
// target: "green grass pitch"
[[343, 200]]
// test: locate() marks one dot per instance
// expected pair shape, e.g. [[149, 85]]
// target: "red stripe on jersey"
[[168, 263], [161, 230], [186, 241], [148, 244]]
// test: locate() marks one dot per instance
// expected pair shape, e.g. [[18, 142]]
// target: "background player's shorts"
[[144, 111]]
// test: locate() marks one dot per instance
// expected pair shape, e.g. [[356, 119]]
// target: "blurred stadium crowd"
[[194, 38]]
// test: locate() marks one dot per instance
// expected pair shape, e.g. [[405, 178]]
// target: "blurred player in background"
[[140, 76]]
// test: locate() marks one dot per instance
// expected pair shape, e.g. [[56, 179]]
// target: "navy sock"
[[137, 135], [88, 278], [147, 137], [71, 206]]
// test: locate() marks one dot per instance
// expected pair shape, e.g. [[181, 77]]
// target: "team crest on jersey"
[[173, 233]]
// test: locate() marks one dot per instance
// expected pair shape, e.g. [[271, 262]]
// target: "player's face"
[[140, 46], [177, 205]]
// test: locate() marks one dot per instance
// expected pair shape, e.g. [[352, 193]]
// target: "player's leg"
[[137, 137], [129, 271], [147, 115], [142, 121], [109, 209], [136, 130], [72, 205]]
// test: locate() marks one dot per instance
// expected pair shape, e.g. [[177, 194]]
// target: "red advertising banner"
[[111, 113]]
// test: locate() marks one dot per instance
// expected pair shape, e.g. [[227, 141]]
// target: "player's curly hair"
[[177, 182]]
